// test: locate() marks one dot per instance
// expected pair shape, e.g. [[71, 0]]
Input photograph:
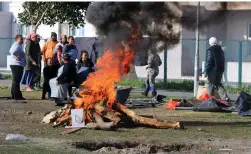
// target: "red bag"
[[172, 104], [204, 97]]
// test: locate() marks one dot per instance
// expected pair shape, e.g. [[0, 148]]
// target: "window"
[[249, 30], [25, 30], [78, 32]]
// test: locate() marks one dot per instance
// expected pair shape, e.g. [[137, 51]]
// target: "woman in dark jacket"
[[32, 51], [85, 61], [84, 67]]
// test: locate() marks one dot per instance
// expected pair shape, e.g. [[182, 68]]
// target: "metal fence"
[[178, 62]]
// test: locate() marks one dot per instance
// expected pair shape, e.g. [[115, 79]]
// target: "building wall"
[[231, 31], [4, 6], [237, 29], [173, 65]]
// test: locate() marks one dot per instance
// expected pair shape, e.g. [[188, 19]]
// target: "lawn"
[[215, 130]]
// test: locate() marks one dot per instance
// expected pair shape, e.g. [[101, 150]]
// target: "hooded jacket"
[[32, 51]]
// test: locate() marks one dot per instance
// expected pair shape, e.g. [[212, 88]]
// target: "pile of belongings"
[[123, 93], [204, 102], [207, 105], [243, 104]]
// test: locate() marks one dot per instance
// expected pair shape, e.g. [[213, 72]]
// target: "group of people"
[[59, 62]]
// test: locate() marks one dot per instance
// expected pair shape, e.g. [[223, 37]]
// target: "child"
[[50, 71]]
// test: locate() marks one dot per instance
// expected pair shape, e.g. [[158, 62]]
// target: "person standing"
[[32, 51], [49, 47], [17, 64], [59, 49], [152, 68], [215, 65], [37, 76], [71, 48]]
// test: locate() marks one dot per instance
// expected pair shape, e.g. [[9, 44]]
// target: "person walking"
[[32, 51], [17, 64], [49, 47], [215, 65], [152, 68]]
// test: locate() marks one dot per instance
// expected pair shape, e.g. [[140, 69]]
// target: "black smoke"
[[158, 20]]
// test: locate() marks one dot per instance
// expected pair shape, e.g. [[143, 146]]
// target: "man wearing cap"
[[215, 65], [32, 51], [49, 46]]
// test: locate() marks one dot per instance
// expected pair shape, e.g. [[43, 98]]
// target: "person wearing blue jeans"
[[152, 68]]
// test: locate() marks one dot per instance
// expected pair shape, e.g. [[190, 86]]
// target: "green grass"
[[244, 88], [6, 77], [185, 85]]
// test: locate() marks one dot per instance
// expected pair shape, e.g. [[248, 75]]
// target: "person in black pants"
[[17, 64], [66, 79], [49, 71]]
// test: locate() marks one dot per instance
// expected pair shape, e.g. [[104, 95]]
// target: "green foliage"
[[244, 88], [48, 13]]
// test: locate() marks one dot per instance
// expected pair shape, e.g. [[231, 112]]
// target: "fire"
[[100, 85]]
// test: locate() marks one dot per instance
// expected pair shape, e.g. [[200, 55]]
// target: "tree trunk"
[[34, 28]]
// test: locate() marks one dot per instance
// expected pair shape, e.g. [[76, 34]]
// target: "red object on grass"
[[205, 97], [172, 104]]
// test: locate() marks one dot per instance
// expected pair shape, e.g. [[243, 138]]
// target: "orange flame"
[[100, 85]]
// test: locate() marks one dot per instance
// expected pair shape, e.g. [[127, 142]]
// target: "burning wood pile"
[[98, 98], [101, 117]]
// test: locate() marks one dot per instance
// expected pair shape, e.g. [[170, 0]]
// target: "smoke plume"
[[160, 21]]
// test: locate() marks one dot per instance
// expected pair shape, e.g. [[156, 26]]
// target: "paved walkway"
[[5, 82]]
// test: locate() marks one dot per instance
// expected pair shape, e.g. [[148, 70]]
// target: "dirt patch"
[[128, 147]]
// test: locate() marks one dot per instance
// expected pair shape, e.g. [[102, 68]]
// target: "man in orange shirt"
[[49, 46]]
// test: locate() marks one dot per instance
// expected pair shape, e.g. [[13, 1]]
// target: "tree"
[[49, 13]]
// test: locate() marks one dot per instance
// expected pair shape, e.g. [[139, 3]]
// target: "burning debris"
[[98, 98], [122, 26]]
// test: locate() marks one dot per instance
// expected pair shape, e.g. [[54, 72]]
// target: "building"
[[233, 32]]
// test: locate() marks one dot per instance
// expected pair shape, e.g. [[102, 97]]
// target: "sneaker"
[[29, 89], [43, 98]]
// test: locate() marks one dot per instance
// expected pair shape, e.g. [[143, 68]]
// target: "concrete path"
[[5, 82]]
